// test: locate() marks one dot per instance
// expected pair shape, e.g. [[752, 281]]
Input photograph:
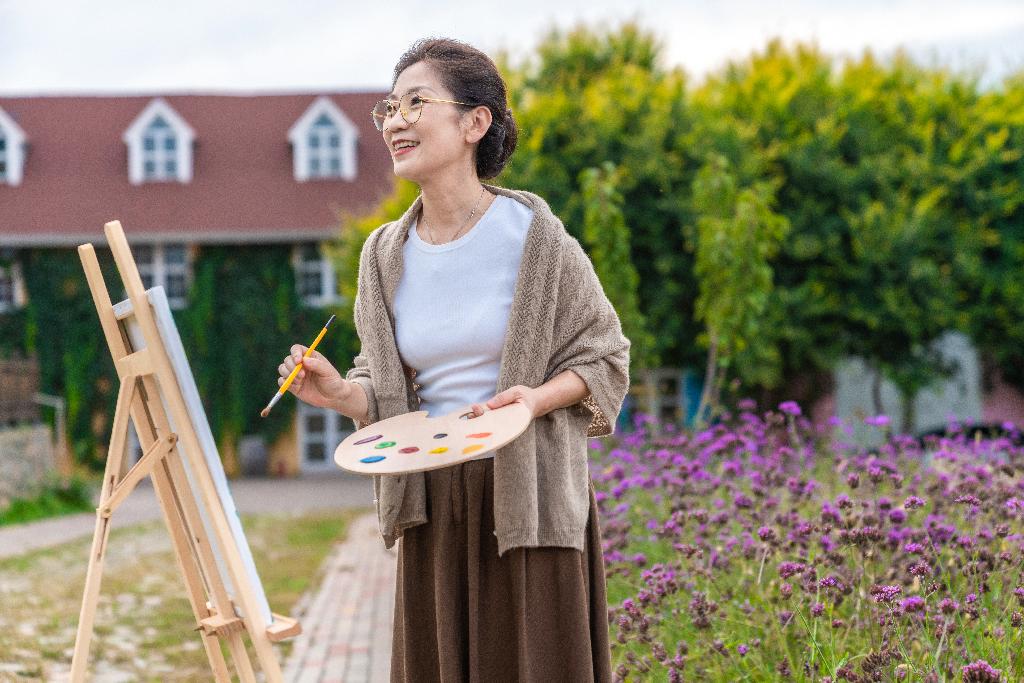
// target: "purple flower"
[[790, 408], [897, 516], [980, 672], [913, 502], [877, 421], [785, 616], [885, 593], [914, 603], [818, 609], [766, 533], [742, 649], [948, 605], [788, 569]]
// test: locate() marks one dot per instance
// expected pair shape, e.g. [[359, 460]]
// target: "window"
[[320, 432], [12, 150], [167, 266], [324, 143], [159, 146], [314, 276], [159, 160], [12, 287], [324, 149]]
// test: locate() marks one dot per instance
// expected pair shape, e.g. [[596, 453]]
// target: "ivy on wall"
[[59, 326], [243, 316]]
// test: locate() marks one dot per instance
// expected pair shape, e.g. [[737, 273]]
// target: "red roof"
[[242, 190]]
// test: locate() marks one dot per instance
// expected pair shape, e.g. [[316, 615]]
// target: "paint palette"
[[414, 442]]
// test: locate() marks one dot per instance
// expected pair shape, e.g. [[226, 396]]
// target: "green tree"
[[737, 235], [590, 96], [607, 239]]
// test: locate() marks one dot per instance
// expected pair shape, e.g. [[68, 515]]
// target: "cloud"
[[121, 46]]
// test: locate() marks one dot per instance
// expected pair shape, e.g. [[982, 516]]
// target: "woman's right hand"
[[318, 383]]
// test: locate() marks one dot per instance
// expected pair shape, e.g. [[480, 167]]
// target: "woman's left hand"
[[517, 394]]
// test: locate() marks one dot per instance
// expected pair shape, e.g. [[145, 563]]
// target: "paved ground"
[[333, 489], [346, 622]]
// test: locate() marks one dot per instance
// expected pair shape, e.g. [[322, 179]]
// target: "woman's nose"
[[394, 121]]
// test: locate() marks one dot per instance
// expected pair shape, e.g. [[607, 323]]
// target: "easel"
[[145, 376]]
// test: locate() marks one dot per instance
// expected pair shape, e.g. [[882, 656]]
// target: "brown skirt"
[[464, 614]]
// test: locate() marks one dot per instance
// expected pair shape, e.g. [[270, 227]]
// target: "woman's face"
[[439, 138]]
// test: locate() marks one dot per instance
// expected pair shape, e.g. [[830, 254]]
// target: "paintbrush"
[[295, 372]]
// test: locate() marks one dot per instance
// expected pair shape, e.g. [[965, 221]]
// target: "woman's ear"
[[477, 122]]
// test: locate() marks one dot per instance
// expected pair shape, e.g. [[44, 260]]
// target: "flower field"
[[763, 548]]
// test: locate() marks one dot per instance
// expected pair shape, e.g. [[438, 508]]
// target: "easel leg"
[[80, 659], [193, 584]]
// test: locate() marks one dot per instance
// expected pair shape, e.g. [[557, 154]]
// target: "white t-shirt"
[[452, 307]]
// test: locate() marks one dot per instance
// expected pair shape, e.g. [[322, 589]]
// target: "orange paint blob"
[[472, 449], [478, 435]]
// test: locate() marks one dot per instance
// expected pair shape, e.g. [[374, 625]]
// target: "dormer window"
[[323, 143], [12, 150], [159, 146], [324, 149], [159, 151]]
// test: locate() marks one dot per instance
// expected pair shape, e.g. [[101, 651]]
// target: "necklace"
[[472, 213]]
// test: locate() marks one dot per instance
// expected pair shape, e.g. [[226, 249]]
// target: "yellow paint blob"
[[442, 449]]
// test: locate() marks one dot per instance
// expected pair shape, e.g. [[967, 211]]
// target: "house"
[[183, 172]]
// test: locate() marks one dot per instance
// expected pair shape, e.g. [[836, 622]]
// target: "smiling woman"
[[479, 296]]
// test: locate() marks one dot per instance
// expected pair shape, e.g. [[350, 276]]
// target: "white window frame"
[[328, 295], [303, 154], [159, 270], [336, 428], [159, 156], [13, 154], [17, 299], [135, 136]]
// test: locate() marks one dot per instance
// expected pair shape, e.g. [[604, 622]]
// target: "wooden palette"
[[414, 442]]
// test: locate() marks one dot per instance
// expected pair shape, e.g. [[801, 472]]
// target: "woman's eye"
[[416, 100]]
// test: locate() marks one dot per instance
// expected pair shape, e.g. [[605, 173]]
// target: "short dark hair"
[[470, 76]]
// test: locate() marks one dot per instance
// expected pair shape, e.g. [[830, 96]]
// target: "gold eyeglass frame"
[[378, 122]]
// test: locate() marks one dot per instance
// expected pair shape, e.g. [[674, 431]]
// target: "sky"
[[138, 46]]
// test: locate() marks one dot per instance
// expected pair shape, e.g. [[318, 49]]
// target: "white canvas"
[[190, 394]]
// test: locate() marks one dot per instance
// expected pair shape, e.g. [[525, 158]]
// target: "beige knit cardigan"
[[560, 320]]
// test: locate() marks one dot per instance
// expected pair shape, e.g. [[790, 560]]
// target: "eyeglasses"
[[410, 107]]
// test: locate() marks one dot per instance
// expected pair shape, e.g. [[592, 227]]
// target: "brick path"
[[346, 621]]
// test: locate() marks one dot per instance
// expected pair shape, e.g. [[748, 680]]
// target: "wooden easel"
[[145, 376]]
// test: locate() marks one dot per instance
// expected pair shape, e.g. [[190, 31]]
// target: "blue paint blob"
[[372, 458]]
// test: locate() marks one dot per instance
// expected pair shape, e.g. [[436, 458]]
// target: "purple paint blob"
[[440, 436], [368, 439]]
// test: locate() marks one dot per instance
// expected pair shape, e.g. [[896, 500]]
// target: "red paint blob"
[[479, 435], [410, 449]]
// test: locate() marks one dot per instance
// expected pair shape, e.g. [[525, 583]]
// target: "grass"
[[53, 499], [143, 627]]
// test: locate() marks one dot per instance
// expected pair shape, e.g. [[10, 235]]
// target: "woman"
[[480, 295]]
